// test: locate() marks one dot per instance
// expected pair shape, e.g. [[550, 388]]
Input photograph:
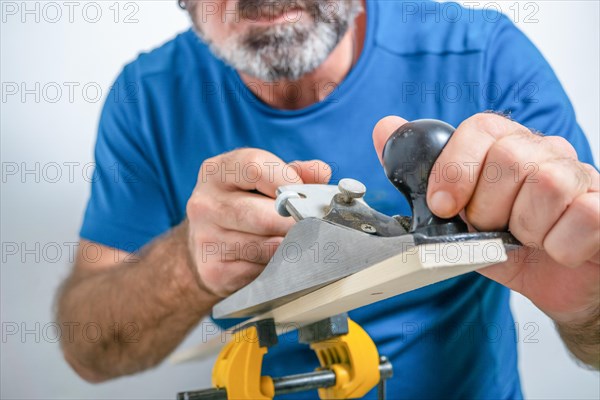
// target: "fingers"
[[313, 171], [234, 232], [464, 156], [226, 246], [511, 162], [383, 130], [251, 213], [544, 197], [255, 169], [229, 259], [506, 176], [240, 211], [222, 195], [247, 169], [574, 238], [224, 278]]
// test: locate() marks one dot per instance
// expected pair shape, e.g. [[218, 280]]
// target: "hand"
[[234, 231], [503, 176]]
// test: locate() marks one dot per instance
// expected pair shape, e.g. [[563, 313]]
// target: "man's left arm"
[[542, 188]]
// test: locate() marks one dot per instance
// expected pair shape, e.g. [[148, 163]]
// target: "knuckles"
[[490, 123], [518, 149], [198, 206], [561, 146], [585, 213], [564, 255], [206, 167], [547, 186], [588, 206], [549, 180]]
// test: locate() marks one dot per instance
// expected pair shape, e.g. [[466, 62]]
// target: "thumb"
[[383, 130], [313, 171]]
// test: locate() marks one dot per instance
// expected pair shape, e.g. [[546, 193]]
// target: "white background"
[[38, 212]]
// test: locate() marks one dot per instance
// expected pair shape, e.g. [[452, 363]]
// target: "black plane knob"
[[409, 156]]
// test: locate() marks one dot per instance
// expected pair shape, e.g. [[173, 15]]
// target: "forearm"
[[143, 309], [583, 338]]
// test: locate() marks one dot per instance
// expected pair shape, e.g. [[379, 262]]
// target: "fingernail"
[[442, 204]]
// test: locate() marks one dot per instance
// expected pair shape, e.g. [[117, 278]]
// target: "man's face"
[[273, 39]]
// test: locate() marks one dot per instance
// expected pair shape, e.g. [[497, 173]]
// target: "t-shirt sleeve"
[[127, 206], [522, 83]]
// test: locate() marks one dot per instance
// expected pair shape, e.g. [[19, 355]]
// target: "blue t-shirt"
[[178, 105]]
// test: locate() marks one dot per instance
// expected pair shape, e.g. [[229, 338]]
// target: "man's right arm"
[[127, 314]]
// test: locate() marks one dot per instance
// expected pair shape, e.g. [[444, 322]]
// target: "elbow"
[[80, 355], [88, 373]]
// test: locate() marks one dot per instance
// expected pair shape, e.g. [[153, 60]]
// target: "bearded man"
[[199, 133]]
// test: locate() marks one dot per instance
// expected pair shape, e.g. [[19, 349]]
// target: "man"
[[199, 133]]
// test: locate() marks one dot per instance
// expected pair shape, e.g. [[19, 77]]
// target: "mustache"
[[255, 9]]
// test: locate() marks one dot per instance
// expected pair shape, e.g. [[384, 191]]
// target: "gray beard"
[[288, 50]]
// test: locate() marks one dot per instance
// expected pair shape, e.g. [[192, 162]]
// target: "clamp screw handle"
[[351, 189]]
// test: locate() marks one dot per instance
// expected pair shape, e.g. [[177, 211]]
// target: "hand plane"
[[338, 234], [340, 255]]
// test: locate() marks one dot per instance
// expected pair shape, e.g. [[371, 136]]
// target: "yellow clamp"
[[238, 367], [353, 357]]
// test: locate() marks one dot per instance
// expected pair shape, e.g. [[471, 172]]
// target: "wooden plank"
[[418, 267]]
